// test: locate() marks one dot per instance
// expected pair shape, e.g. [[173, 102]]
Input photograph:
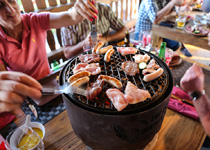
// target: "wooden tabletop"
[[181, 35]]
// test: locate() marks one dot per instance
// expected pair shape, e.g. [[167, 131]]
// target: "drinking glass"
[[87, 47], [24, 138], [180, 22], [145, 40]]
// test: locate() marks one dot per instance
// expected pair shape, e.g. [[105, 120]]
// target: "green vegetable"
[[196, 31], [142, 65]]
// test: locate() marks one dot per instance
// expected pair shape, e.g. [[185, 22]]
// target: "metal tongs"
[[51, 90]]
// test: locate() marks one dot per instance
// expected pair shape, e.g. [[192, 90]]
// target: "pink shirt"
[[30, 56]]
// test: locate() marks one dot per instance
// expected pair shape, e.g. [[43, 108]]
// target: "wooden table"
[[178, 132], [180, 35]]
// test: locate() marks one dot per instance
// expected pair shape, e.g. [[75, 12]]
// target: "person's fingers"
[[7, 107], [19, 88], [86, 9], [20, 77], [11, 97]]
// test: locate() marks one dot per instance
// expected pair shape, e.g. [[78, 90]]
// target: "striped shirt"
[[147, 13], [107, 19]]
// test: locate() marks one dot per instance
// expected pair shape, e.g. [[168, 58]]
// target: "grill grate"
[[156, 87]]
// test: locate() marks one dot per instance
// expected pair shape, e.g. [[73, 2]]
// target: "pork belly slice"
[[119, 100], [152, 65], [95, 89], [141, 58], [138, 95], [89, 58], [127, 50], [93, 68], [130, 68]]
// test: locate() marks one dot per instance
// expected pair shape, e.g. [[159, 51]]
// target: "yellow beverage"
[[30, 140], [180, 24], [198, 5]]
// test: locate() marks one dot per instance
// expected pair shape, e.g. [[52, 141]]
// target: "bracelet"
[[196, 95]]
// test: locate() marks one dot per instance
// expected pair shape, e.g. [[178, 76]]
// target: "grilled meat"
[[130, 68]]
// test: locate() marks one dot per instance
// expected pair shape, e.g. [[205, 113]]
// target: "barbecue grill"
[[100, 126]]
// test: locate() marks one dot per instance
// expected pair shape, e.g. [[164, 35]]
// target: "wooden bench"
[[125, 9]]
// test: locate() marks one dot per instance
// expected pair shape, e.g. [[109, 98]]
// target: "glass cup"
[[24, 138], [145, 40], [87, 47], [180, 22]]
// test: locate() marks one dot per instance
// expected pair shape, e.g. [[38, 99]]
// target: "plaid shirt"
[[74, 34], [147, 13]]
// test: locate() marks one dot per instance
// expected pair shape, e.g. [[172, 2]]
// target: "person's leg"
[[174, 45]]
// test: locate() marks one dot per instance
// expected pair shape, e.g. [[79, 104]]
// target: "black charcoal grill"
[[100, 126]]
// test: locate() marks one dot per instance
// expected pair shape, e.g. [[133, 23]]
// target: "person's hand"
[[193, 79], [86, 9], [15, 87], [209, 39]]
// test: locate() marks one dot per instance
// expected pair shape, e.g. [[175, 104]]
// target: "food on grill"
[[142, 65], [201, 30], [100, 44], [119, 100], [113, 81], [107, 56], [79, 82], [78, 75], [138, 95], [127, 50], [104, 50], [152, 65], [155, 74], [93, 68], [130, 68], [148, 71], [95, 89], [89, 58], [141, 58]]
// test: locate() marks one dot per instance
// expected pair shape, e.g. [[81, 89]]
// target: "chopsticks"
[[189, 102]]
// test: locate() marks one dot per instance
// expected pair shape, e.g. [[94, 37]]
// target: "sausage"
[[104, 50], [153, 75], [113, 81], [80, 81], [108, 55], [78, 75], [100, 44]]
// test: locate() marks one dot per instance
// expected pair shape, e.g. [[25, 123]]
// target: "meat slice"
[[119, 100], [113, 81], [95, 89], [93, 68], [130, 68], [137, 94], [89, 58], [152, 65], [127, 50], [141, 58]]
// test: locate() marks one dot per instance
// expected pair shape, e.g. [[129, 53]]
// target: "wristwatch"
[[196, 95]]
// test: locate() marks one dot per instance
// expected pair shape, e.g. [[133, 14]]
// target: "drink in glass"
[[145, 40], [180, 22]]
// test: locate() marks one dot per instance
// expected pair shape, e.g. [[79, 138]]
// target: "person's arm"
[[14, 88], [193, 81], [166, 10], [3, 67], [120, 34], [82, 9]]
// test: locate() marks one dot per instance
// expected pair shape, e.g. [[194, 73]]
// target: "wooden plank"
[[126, 10], [131, 8], [50, 40], [181, 36], [64, 7], [122, 11], [41, 4], [105, 1], [56, 55], [52, 2], [27, 5], [116, 7], [63, 1]]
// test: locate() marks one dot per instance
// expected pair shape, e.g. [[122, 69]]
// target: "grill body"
[[102, 130]]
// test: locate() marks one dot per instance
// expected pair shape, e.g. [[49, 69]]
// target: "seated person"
[[74, 37], [14, 88], [23, 36], [152, 12]]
